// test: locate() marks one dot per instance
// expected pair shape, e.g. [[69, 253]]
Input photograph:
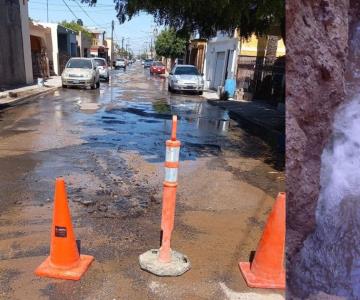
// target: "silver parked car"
[[81, 72], [103, 68], [185, 78]]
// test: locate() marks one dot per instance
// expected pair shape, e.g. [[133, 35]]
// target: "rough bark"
[[317, 40], [271, 48]]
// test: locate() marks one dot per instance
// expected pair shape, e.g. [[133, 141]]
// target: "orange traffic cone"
[[64, 261], [267, 269]]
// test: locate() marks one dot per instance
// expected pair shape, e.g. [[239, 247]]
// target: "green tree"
[[208, 16], [169, 45], [76, 27]]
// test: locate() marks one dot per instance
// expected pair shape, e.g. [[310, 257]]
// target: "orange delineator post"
[[167, 221], [165, 261], [267, 269], [169, 193], [64, 261]]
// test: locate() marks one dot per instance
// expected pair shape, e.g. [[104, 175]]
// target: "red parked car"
[[157, 67]]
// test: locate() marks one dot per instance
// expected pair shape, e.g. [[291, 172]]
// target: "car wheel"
[[64, 86], [200, 93], [169, 88]]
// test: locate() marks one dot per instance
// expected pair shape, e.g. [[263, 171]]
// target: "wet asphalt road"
[[108, 144]]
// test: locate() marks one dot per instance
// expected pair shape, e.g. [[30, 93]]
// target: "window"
[[100, 62], [186, 71], [79, 63]]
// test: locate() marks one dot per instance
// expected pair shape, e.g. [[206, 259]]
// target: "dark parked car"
[[148, 63]]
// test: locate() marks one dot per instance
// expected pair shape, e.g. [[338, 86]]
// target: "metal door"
[[219, 70]]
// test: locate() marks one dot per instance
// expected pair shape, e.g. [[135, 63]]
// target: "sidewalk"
[[257, 117], [13, 97]]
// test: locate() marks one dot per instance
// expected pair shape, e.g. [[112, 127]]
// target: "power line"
[[70, 10], [57, 4], [85, 12]]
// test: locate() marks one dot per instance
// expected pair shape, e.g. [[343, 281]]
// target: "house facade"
[[256, 64], [98, 45], [261, 68], [195, 54], [41, 50], [84, 43], [15, 55], [220, 60], [63, 45]]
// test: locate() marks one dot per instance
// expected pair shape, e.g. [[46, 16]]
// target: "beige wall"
[[24, 15], [45, 34], [108, 44]]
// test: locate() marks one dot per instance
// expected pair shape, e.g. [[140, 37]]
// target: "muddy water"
[[109, 147], [330, 259]]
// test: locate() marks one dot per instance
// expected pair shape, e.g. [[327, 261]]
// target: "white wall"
[[214, 46], [24, 14], [55, 48]]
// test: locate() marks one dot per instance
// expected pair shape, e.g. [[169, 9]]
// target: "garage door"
[[219, 69]]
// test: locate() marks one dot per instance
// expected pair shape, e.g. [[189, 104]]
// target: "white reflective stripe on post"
[[172, 154], [171, 174]]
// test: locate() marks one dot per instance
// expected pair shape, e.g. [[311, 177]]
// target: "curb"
[[23, 99], [273, 137]]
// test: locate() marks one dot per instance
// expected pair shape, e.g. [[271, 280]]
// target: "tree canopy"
[[76, 27], [207, 16], [169, 45]]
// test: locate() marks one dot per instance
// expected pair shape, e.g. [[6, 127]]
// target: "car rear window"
[[120, 59], [100, 62], [186, 71], [79, 63], [158, 64]]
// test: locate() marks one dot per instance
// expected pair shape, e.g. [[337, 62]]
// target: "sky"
[[137, 32]]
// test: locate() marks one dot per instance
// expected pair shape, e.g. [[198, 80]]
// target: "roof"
[[185, 66], [87, 58], [96, 31]]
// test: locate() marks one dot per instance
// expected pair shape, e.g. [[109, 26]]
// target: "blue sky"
[[138, 31]]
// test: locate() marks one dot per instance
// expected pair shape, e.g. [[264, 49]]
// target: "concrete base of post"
[[179, 264]]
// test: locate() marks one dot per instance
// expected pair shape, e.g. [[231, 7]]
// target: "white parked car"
[[120, 63], [81, 72], [103, 68], [185, 78]]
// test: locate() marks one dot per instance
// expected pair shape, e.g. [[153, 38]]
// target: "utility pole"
[[122, 44], [151, 48], [112, 44], [155, 33]]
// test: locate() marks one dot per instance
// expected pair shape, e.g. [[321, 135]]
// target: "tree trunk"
[[317, 41], [271, 48]]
